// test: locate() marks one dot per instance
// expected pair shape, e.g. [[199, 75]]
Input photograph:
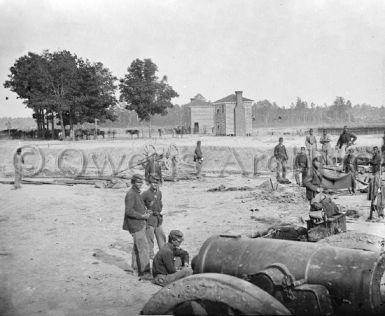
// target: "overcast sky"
[[275, 50]]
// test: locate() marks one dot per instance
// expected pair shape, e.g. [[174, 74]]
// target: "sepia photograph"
[[180, 157]]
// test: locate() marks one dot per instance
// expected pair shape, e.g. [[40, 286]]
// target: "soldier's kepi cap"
[[154, 178], [176, 234], [136, 177]]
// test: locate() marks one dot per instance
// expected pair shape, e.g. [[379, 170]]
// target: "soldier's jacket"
[[312, 182], [376, 163], [134, 211], [300, 161], [153, 201], [280, 152], [345, 138], [325, 141]]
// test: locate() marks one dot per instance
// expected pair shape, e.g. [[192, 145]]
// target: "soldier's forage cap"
[[154, 179], [136, 177], [176, 234]]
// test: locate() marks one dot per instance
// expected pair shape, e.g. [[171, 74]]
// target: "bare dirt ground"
[[63, 250]]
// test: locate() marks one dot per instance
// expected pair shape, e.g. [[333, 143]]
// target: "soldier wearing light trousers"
[[135, 218], [152, 199]]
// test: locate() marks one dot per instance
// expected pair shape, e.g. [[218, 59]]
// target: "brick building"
[[198, 116], [233, 115]]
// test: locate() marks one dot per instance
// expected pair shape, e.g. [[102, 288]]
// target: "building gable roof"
[[231, 98]]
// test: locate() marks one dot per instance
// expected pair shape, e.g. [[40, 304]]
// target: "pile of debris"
[[222, 188]]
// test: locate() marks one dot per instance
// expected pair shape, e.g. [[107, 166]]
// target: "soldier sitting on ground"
[[163, 268]]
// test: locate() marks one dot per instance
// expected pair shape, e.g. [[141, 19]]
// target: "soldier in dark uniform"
[[153, 168], [198, 158], [152, 198], [135, 218], [300, 166], [376, 189], [350, 166], [313, 180], [163, 269], [344, 141], [280, 155]]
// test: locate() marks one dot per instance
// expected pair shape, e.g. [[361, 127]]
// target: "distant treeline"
[[301, 112], [265, 113]]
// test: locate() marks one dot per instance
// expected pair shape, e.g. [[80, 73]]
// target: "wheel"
[[213, 294]]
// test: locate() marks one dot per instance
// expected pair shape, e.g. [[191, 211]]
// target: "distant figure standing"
[[18, 164], [345, 140], [383, 145], [325, 140], [300, 166], [280, 155], [376, 189], [153, 168], [198, 158], [174, 168], [311, 144], [350, 166], [313, 180]]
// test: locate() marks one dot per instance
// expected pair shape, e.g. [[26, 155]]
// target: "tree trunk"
[[53, 125], [149, 128], [71, 129], [62, 124]]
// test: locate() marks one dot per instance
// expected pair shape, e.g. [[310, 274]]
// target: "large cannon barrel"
[[355, 277]]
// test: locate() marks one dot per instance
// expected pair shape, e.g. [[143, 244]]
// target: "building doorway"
[[196, 128]]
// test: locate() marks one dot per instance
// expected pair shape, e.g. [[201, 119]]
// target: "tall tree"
[[62, 84], [144, 93]]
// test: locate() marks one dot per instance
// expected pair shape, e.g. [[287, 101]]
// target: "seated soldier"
[[163, 267]]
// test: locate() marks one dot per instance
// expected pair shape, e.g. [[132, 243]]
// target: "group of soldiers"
[[310, 151], [143, 220], [308, 166]]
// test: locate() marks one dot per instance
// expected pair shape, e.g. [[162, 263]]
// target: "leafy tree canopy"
[[143, 92]]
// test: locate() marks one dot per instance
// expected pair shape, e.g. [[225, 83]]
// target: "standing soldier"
[[152, 199], [350, 166], [326, 146], [153, 168], [18, 164], [135, 218], [313, 180], [300, 166], [376, 189], [345, 140], [311, 144], [198, 158], [280, 155]]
